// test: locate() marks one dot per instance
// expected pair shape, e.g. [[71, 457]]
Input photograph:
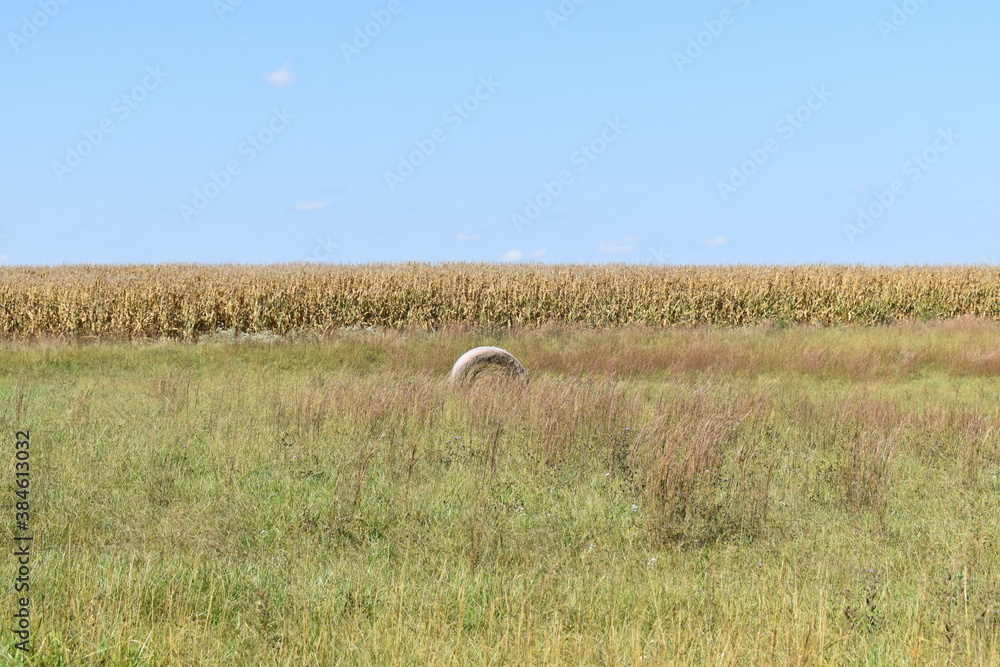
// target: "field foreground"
[[732, 497]]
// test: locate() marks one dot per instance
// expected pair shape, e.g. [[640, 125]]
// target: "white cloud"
[[512, 255], [540, 252], [627, 244], [469, 237], [717, 241], [281, 77], [312, 205]]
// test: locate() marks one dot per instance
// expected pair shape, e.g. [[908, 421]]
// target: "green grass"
[[731, 496]]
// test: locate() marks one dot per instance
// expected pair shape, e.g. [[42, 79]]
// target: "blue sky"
[[731, 131]]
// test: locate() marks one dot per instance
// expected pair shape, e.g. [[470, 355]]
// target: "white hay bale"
[[486, 359]]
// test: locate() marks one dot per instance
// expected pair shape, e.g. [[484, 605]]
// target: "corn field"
[[186, 301]]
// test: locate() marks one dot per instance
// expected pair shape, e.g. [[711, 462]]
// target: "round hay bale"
[[486, 360]]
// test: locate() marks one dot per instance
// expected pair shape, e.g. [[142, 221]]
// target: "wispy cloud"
[[512, 255], [539, 252], [312, 205], [627, 244], [281, 77], [716, 242], [469, 237]]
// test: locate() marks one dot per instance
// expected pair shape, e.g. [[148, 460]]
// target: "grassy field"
[[756, 495]]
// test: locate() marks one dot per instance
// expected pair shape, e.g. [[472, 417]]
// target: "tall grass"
[[673, 497]]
